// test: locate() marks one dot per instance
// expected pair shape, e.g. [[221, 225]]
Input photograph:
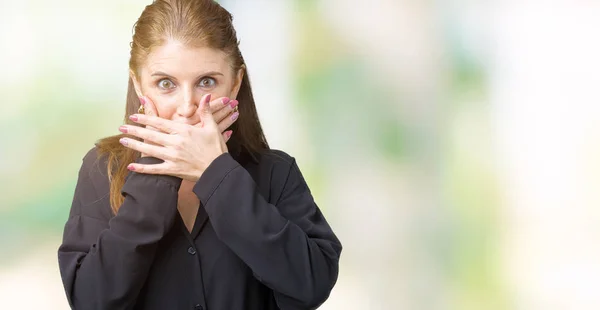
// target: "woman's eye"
[[165, 84], [208, 82]]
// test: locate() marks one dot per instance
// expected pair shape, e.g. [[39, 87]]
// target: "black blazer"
[[259, 240]]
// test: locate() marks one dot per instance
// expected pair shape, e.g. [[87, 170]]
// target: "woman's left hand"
[[186, 150]]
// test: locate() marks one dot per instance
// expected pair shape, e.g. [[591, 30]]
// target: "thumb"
[[205, 112], [205, 105]]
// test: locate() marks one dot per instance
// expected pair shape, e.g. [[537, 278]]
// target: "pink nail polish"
[[208, 98], [235, 116], [229, 133], [142, 101], [234, 104], [123, 141], [131, 168], [133, 118], [226, 100], [123, 129]]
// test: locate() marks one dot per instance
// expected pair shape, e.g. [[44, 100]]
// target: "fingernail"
[[131, 168], [123, 141], [226, 100], [234, 104], [133, 118], [208, 98], [123, 129], [229, 133], [142, 101], [235, 116]]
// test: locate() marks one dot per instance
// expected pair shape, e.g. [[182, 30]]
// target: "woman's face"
[[175, 77]]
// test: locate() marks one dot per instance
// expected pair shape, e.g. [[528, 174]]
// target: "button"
[[192, 252], [198, 307]]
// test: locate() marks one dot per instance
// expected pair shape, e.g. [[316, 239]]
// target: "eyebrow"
[[160, 73]]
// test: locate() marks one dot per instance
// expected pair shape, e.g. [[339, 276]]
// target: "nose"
[[189, 104]]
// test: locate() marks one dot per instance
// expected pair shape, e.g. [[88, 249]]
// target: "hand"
[[149, 109], [223, 109], [187, 150]]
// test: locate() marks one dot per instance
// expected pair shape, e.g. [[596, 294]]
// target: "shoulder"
[[278, 167], [94, 165], [276, 161], [266, 163], [276, 157], [91, 159], [270, 170], [93, 184], [282, 175]]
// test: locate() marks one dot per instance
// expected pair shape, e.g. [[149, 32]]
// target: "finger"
[[225, 112], [223, 141], [162, 168], [228, 121], [213, 106], [148, 149], [219, 104], [162, 124], [227, 135], [149, 134], [205, 114]]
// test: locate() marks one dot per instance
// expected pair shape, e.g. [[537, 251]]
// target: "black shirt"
[[259, 240]]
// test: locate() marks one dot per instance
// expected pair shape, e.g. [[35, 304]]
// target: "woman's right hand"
[[223, 111]]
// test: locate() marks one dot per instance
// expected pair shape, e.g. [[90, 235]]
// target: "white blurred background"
[[454, 146]]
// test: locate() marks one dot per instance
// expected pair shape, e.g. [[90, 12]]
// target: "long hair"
[[194, 23]]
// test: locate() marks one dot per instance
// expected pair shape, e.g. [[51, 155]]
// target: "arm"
[[104, 263], [289, 246]]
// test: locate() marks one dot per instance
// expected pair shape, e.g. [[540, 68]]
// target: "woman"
[[189, 208]]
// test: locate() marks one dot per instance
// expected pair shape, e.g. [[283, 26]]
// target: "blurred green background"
[[452, 145]]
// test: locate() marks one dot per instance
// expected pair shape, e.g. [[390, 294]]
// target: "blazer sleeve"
[[104, 261], [288, 245]]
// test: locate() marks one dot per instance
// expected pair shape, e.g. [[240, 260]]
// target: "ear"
[[238, 82], [136, 84]]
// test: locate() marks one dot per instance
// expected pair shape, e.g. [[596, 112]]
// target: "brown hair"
[[194, 23]]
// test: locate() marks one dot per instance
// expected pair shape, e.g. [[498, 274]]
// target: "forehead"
[[175, 58]]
